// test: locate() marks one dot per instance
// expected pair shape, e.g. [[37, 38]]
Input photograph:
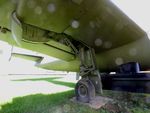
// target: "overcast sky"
[[137, 10]]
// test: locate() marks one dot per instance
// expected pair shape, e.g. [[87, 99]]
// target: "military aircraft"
[[90, 37]]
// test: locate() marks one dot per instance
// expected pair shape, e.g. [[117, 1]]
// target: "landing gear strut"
[[90, 83]]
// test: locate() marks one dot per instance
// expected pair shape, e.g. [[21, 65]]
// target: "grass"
[[54, 103], [132, 102], [60, 102]]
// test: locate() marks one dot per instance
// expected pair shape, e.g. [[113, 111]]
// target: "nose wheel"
[[84, 90]]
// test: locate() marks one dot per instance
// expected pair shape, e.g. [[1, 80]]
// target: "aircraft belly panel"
[[52, 15], [137, 51], [105, 27], [98, 23], [39, 47], [6, 8]]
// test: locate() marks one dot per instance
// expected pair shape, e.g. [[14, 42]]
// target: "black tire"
[[84, 90]]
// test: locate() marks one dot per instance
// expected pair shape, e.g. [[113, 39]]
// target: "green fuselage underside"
[[97, 23]]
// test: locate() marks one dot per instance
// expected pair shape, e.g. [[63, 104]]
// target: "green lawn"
[[60, 102], [55, 103]]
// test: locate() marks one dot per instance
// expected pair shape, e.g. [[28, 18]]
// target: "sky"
[[137, 10]]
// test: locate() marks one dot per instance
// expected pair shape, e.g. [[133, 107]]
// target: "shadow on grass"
[[51, 80]]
